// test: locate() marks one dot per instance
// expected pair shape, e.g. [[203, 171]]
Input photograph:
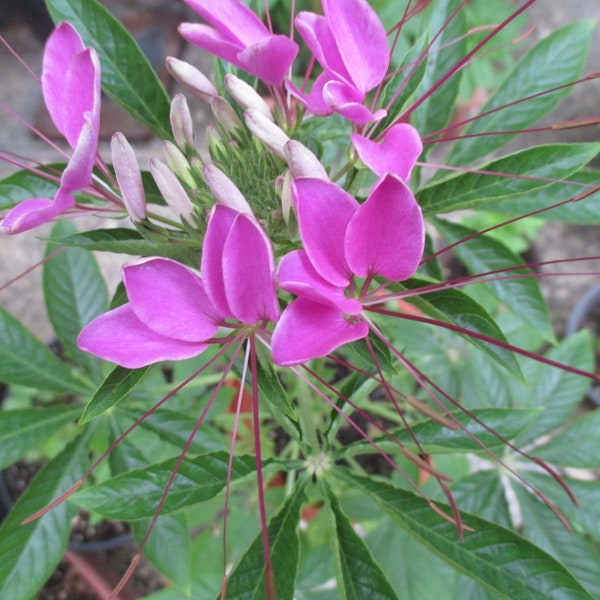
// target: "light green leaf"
[[23, 185], [117, 385], [512, 176], [24, 360], [483, 254], [247, 581], [495, 557], [127, 77], [556, 60], [362, 576], [29, 553], [75, 293], [200, 478], [23, 429]]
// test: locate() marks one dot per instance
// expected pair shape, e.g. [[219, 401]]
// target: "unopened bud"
[[286, 196], [266, 131], [178, 163], [171, 189], [181, 123], [129, 176], [302, 161], [246, 96], [225, 191], [191, 78], [225, 115]]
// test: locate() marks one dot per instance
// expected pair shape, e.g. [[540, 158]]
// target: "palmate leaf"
[[556, 60], [362, 576], [200, 478], [495, 557], [247, 581], [482, 254], [127, 77], [29, 553], [506, 178]]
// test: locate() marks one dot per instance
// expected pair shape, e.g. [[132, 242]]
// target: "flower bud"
[[191, 78], [225, 115], [302, 162], [225, 191], [181, 123], [178, 163], [286, 196], [129, 176], [246, 96], [266, 131], [171, 189]]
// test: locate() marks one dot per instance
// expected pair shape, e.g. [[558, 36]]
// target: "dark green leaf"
[[127, 77], [136, 494], [23, 185], [497, 558], [113, 389], [24, 360], [556, 60], [362, 576], [75, 293], [23, 429], [505, 178], [247, 581], [29, 553], [483, 254]]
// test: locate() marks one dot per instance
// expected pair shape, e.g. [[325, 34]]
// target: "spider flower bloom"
[[236, 34], [350, 43], [173, 312], [71, 90], [343, 240]]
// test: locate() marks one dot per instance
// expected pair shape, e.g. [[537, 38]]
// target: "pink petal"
[[324, 211], [170, 300], [271, 59], [248, 272], [120, 337], [314, 101], [36, 211], [386, 236], [348, 101], [296, 275], [212, 41], [78, 173], [361, 40], [396, 154], [308, 330]]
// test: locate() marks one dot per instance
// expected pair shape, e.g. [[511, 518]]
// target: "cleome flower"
[[236, 34], [71, 90], [346, 245], [173, 313], [350, 43]]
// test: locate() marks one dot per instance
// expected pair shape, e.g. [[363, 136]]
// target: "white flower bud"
[[181, 123], [225, 115], [225, 191], [178, 163], [302, 161], [246, 96], [171, 189], [191, 78], [129, 176], [266, 131]]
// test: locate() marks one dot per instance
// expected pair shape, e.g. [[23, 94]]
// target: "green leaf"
[[435, 438], [127, 77], [566, 448], [445, 52], [23, 185], [128, 241], [247, 581], [272, 390], [495, 557], [200, 478], [75, 293], [23, 429], [119, 383], [29, 553], [506, 178], [556, 60], [483, 254], [457, 308], [24, 360], [362, 576]]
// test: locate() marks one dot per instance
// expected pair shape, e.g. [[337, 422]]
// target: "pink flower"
[[344, 242], [350, 43], [71, 89], [396, 153], [236, 34], [173, 313]]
